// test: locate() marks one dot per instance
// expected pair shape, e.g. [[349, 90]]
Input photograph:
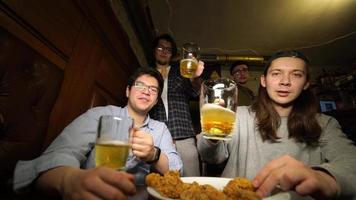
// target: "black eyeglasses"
[[239, 71], [143, 87], [165, 49]]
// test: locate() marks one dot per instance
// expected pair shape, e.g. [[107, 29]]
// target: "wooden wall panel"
[[101, 98], [85, 41], [112, 80], [29, 87], [78, 81], [58, 21], [110, 31], [21, 31]]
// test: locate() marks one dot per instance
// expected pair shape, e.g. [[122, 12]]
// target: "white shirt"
[[164, 95]]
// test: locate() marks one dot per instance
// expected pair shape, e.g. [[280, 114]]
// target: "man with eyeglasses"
[[173, 106], [239, 73], [67, 167]]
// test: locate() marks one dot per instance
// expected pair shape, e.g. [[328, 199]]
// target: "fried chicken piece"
[[193, 192], [242, 183], [213, 193], [173, 177], [240, 188], [170, 185], [240, 194], [153, 180]]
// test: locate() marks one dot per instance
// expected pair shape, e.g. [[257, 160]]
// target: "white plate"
[[218, 183]]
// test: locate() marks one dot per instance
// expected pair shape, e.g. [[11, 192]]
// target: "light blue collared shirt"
[[75, 147]]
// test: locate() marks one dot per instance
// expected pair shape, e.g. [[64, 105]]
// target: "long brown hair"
[[302, 122]]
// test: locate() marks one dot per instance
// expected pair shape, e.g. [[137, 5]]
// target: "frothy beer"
[[217, 122], [188, 67], [111, 154]]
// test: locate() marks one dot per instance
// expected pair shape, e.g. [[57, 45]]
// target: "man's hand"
[[97, 183], [142, 145], [200, 69], [288, 173], [196, 81]]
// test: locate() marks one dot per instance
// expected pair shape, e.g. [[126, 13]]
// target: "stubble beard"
[[160, 62]]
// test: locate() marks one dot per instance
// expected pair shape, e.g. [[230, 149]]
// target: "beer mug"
[[218, 102], [189, 62], [112, 142]]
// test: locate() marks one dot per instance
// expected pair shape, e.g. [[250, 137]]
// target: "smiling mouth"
[[144, 99]]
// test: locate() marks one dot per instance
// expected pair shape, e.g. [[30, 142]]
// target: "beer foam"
[[112, 142], [209, 107], [190, 60]]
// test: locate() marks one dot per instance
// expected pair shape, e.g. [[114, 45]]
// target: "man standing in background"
[[239, 73], [173, 106]]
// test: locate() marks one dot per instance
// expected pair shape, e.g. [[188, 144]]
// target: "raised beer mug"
[[218, 102], [112, 143], [189, 61]]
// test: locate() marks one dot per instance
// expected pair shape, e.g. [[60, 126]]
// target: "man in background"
[[239, 73], [173, 106]]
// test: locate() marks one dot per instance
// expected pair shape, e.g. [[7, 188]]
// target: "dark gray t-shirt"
[[247, 153]]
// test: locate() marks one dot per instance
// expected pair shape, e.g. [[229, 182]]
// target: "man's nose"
[[165, 52], [145, 90], [285, 80]]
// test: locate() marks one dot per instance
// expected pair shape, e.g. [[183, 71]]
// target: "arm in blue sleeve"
[[168, 148]]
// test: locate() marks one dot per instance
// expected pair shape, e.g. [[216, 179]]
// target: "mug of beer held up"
[[218, 102], [189, 62], [112, 143]]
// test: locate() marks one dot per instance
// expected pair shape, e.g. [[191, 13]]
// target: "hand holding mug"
[[189, 62], [218, 102], [142, 145]]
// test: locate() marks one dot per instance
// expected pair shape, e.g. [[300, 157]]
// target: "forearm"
[[196, 83], [340, 153], [162, 164]]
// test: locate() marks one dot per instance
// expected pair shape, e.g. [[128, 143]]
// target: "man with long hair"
[[283, 143]]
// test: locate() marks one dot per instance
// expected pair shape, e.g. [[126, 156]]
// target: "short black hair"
[[147, 71], [168, 38], [239, 62]]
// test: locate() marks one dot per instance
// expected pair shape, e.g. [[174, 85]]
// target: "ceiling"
[[325, 30]]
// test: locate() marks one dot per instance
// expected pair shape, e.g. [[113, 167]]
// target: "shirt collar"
[[146, 122]]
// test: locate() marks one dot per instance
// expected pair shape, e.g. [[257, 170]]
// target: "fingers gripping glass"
[[143, 87], [189, 62], [112, 142]]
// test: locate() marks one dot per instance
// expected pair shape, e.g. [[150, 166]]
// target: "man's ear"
[[306, 86], [263, 80], [127, 91]]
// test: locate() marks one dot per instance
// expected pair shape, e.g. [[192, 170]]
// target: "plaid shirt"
[[179, 92]]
